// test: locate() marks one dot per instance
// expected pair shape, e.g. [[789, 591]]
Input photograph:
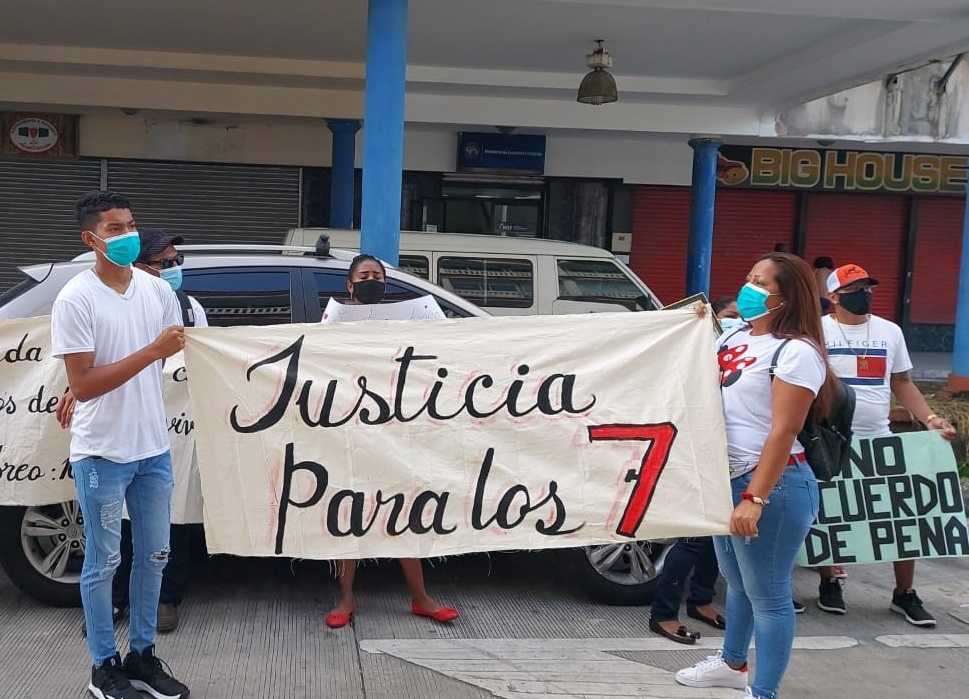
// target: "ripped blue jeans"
[[758, 574], [102, 486]]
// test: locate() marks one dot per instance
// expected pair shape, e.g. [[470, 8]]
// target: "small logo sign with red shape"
[[33, 135]]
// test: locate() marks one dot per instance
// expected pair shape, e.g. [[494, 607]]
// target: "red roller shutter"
[[935, 270], [661, 223], [747, 224], [866, 229]]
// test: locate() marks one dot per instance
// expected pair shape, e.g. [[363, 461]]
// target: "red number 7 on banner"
[[660, 437]]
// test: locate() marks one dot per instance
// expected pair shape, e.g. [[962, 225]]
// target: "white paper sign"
[[423, 308], [384, 439]]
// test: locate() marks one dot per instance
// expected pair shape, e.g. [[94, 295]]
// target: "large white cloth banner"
[[395, 439], [34, 448]]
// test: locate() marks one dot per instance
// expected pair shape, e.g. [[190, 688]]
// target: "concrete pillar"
[[700, 244], [959, 378], [341, 176], [383, 139]]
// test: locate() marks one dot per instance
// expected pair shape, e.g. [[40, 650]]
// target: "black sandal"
[[717, 622], [683, 635]]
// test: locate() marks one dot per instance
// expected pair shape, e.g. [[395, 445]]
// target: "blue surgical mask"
[[122, 249], [752, 302], [731, 323], [172, 275]]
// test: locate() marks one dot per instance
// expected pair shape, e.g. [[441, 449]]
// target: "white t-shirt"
[[865, 356], [128, 423], [745, 384], [201, 321]]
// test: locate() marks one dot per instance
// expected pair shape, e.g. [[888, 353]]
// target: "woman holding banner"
[[366, 285], [775, 493]]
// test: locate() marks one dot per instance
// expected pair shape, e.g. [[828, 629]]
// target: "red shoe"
[[338, 621], [443, 615]]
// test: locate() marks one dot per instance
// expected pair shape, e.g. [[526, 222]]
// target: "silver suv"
[[255, 285]]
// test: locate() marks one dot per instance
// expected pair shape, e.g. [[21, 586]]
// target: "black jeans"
[[175, 576], [696, 554]]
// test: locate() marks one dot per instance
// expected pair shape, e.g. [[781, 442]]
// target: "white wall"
[[644, 159]]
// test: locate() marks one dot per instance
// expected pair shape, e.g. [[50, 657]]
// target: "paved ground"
[[253, 628]]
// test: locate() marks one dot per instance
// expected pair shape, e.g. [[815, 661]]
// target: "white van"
[[510, 276]]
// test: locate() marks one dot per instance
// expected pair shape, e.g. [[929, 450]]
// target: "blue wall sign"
[[501, 153]]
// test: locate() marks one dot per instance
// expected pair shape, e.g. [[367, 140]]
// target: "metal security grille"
[[210, 203], [37, 221]]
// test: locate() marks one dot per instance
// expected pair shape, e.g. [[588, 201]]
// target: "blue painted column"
[[959, 380], [383, 139], [700, 245], [341, 171]]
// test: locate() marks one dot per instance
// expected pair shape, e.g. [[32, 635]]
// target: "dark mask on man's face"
[[369, 291], [857, 302]]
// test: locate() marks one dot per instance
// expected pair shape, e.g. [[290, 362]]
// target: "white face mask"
[[731, 323]]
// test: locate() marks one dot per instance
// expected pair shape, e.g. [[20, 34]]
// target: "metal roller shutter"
[[868, 230], [661, 223], [37, 221], [935, 269], [747, 224], [210, 203]]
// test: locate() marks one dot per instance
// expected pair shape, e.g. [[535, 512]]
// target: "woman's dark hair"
[[92, 204], [823, 262], [722, 303], [800, 318], [359, 260]]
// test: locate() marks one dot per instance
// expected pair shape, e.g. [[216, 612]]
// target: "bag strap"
[[775, 358], [188, 313]]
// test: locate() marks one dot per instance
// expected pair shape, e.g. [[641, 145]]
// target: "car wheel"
[[622, 573], [42, 550]]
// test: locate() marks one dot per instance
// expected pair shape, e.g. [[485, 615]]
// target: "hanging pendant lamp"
[[598, 86]]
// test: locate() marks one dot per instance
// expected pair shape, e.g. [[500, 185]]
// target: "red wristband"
[[754, 498]]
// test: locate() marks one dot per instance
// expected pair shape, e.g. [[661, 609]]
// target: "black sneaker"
[[910, 606], [110, 681], [148, 674], [798, 607], [830, 597]]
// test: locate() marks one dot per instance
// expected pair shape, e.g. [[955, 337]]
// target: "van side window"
[[495, 283], [598, 280], [417, 265], [241, 295]]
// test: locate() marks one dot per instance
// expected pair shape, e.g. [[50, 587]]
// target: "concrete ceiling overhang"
[[682, 66]]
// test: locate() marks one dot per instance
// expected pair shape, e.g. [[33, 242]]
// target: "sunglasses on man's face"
[[167, 262], [855, 287]]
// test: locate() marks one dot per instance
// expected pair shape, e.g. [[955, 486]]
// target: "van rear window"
[[597, 280], [489, 282]]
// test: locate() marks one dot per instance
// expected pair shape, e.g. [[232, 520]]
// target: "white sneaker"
[[748, 694], [712, 672]]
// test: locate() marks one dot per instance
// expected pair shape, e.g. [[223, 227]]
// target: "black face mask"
[[369, 291], [857, 302]]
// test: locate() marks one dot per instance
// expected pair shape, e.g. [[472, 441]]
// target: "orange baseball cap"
[[848, 274]]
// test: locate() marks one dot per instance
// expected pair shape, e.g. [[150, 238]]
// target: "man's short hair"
[[92, 204], [823, 262]]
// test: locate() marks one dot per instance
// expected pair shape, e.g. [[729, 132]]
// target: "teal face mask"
[[752, 302], [172, 275], [122, 249]]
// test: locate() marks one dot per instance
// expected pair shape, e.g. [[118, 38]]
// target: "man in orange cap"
[[870, 355]]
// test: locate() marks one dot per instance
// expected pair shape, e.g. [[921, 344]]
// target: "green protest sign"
[[901, 499]]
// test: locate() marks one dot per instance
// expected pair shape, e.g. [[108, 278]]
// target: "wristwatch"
[[757, 500]]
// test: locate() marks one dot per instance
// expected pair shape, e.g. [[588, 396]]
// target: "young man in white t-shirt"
[[870, 355], [160, 258], [114, 326]]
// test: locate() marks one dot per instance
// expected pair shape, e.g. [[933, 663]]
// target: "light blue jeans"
[[758, 574], [102, 486]]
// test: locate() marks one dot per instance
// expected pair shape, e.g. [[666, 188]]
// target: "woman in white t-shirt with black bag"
[[775, 492]]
